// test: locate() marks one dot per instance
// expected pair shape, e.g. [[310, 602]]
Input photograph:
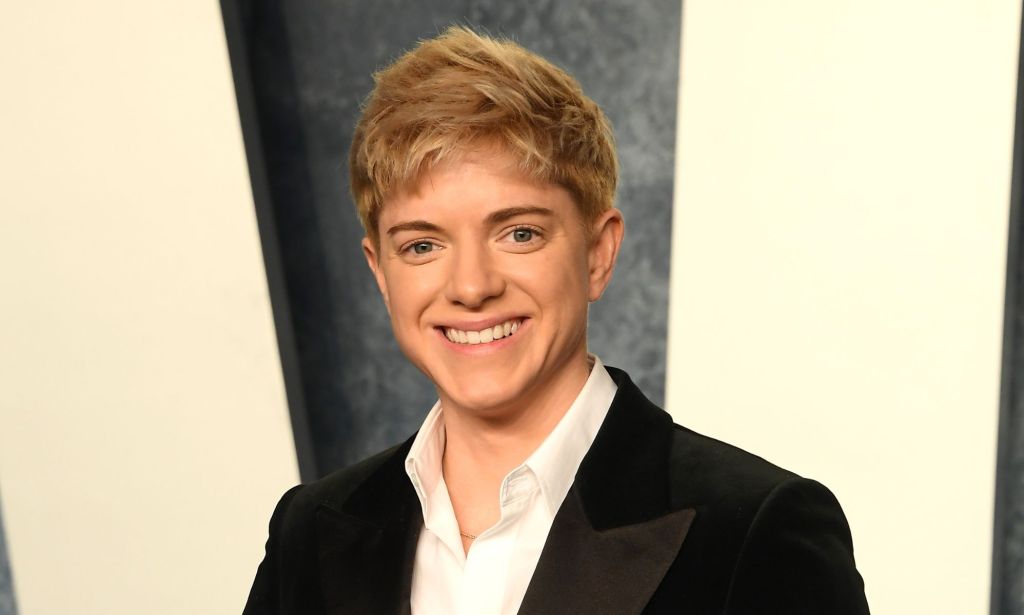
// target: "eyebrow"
[[497, 217], [503, 215], [414, 225]]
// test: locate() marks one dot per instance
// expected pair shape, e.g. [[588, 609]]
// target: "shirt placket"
[[485, 574]]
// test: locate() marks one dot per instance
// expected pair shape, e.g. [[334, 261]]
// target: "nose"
[[473, 278]]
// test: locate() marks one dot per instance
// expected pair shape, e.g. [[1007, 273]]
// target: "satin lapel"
[[617, 533], [367, 547], [614, 572]]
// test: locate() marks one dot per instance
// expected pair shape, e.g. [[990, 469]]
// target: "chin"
[[482, 398]]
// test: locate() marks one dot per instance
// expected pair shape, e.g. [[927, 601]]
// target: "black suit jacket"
[[659, 520]]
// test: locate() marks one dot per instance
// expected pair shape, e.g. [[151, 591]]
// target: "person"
[[542, 481]]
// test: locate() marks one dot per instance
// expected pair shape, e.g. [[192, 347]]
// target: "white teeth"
[[483, 336]]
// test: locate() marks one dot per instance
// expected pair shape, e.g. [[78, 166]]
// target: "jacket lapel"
[[610, 545], [615, 571], [616, 534], [367, 545]]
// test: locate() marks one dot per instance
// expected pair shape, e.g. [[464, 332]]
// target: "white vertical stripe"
[[843, 175], [144, 436]]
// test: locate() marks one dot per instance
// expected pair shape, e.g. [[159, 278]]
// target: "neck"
[[481, 448], [493, 443]]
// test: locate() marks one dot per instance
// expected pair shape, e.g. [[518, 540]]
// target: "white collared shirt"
[[492, 578]]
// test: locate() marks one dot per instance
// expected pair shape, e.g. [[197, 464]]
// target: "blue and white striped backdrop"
[[818, 202]]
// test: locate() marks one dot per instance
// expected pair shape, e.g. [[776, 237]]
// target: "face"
[[487, 275]]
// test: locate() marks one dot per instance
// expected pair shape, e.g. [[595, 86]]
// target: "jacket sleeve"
[[797, 557], [265, 595]]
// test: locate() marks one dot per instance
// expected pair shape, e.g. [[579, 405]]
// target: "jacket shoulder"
[[708, 471], [763, 539], [334, 489], [287, 580]]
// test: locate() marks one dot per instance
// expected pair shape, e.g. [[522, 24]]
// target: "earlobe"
[[370, 251], [608, 231]]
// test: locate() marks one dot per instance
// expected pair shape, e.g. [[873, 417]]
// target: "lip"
[[479, 324]]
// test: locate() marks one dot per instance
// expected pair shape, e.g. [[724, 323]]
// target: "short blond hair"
[[463, 91]]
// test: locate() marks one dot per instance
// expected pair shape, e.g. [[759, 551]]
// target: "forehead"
[[471, 187]]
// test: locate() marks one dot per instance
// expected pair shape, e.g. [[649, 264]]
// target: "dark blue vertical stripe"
[[7, 604], [275, 180], [1008, 534]]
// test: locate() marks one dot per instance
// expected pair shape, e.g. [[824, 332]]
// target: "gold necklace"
[[465, 535]]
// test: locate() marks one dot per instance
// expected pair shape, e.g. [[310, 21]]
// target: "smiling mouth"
[[484, 336]]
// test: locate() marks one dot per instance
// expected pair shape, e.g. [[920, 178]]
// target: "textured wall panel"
[[1008, 544], [310, 65]]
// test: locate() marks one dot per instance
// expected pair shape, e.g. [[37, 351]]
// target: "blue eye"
[[422, 247], [522, 235]]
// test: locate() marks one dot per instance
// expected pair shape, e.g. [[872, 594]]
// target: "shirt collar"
[[555, 461], [423, 463], [559, 456]]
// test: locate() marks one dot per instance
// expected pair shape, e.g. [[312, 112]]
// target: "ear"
[[606, 238], [371, 252]]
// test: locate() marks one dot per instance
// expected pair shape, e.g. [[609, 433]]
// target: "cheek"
[[565, 275], [557, 283], [410, 292]]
